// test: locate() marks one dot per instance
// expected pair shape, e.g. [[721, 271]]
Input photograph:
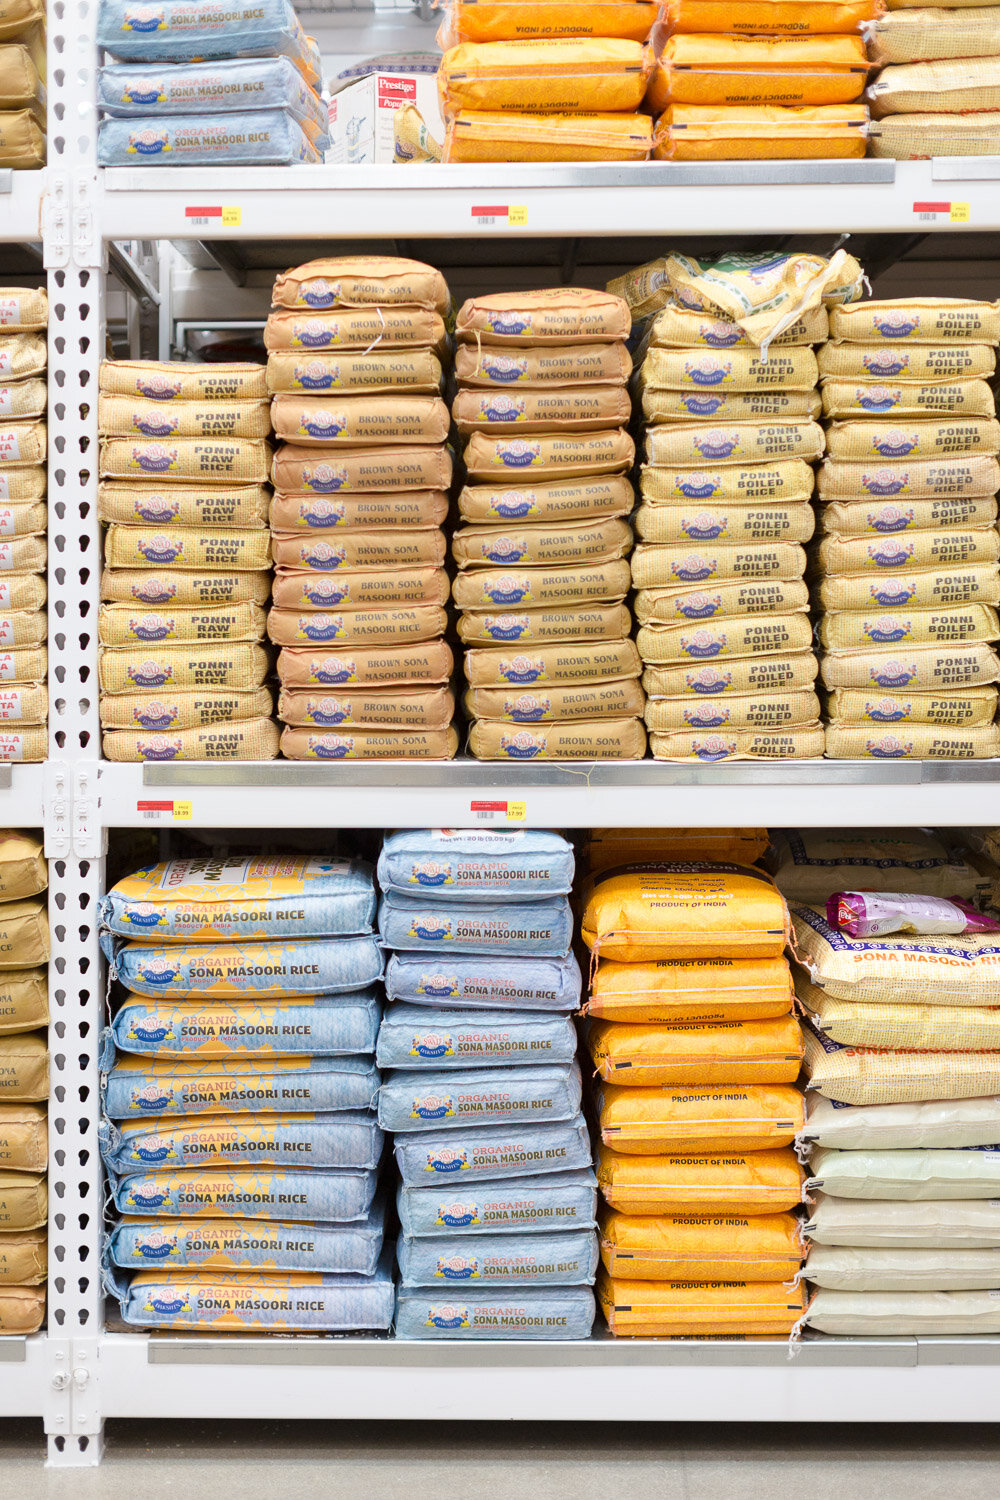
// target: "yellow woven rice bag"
[[21, 491], [190, 710], [653, 1121], [239, 461], [542, 368], [658, 566], [696, 1052], [764, 292], [123, 625], [639, 913], [685, 1309], [229, 664], [916, 137], [22, 591], [766, 1247], [674, 325], [870, 1075], [754, 1182], [22, 442], [949, 86], [971, 707], [23, 1262], [916, 742], [396, 626], [411, 139], [487, 137], [381, 666], [674, 524], [729, 406], [548, 455], [851, 629], [184, 505], [369, 330], [920, 590], [371, 744], [664, 606], [788, 481], [362, 281], [503, 20], [919, 669], [124, 416], [179, 586], [27, 666], [793, 369], [417, 370], [616, 699], [737, 443], [22, 398], [760, 132], [24, 1079], [237, 550], [797, 742], [22, 628], [941, 1028], [252, 739], [164, 381], [414, 708], [555, 315], [950, 483], [23, 1203], [789, 710], [22, 554], [710, 990], [734, 636], [713, 69], [920, 35], [541, 665], [23, 1139], [25, 703], [920, 320], [30, 743], [571, 408], [353, 421], [554, 75], [789, 17], [312, 474], [23, 309], [606, 847], [510, 588], [22, 144], [880, 361], [845, 398]]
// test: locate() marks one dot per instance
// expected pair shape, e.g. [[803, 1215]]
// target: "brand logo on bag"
[[877, 398], [885, 365], [431, 1107], [699, 606], [885, 711], [506, 627], [513, 504], [501, 408], [896, 324], [885, 482], [323, 555], [432, 1044], [330, 746], [447, 1159], [448, 1317], [322, 424], [161, 549], [155, 1149], [155, 459], [717, 443], [438, 986], [430, 927], [523, 746], [895, 444], [319, 293], [316, 376], [503, 368], [151, 1098], [144, 18], [137, 1198], [522, 669], [156, 1245], [713, 747], [334, 670], [891, 554], [706, 717], [704, 528], [148, 142], [172, 1305], [458, 1215], [158, 970], [508, 590], [702, 406], [150, 1029], [707, 371], [693, 568], [518, 453], [892, 595], [143, 92], [316, 333], [328, 711], [430, 872], [888, 747], [157, 386], [720, 335], [156, 715], [159, 748], [151, 627], [161, 424], [322, 513], [703, 643], [458, 1268], [327, 592], [324, 477], [510, 324], [526, 708], [143, 914], [504, 549], [708, 680], [150, 674], [156, 508], [697, 486], [886, 629], [153, 590], [893, 674], [320, 627]]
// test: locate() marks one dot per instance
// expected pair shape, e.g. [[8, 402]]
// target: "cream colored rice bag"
[[900, 969], [558, 315], [915, 742], [166, 712], [23, 1261], [920, 362], [852, 629], [927, 479], [596, 622], [963, 398], [920, 669], [296, 588], [20, 591], [180, 587], [846, 556], [542, 368], [570, 663], [384, 548], [21, 628], [364, 330], [969, 707], [238, 550], [777, 672], [22, 1310], [22, 443], [867, 439], [23, 704], [565, 544], [667, 606], [405, 370], [620, 698], [794, 743], [354, 421], [517, 588], [22, 398], [931, 590], [120, 416], [22, 554], [686, 327], [123, 625], [569, 408], [407, 509], [566, 500], [23, 520], [192, 505], [948, 86], [23, 1138], [24, 1001], [729, 406], [165, 382], [734, 524], [577, 739], [920, 320], [23, 666], [870, 1075], [28, 744], [926, 33], [357, 627], [791, 368], [855, 1023], [382, 667], [362, 281], [427, 708], [733, 711], [252, 739], [787, 480], [655, 566], [224, 664], [719, 640], [308, 472], [21, 488], [22, 355], [23, 309], [548, 455], [763, 292], [238, 461], [372, 744], [736, 443]]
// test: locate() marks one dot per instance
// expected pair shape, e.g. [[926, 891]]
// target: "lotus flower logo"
[[154, 459], [895, 443], [526, 707], [150, 674], [330, 746], [708, 680], [703, 643], [156, 715], [517, 453], [324, 477], [523, 746], [153, 590], [157, 385], [319, 293], [522, 669], [161, 549], [322, 513], [334, 670]]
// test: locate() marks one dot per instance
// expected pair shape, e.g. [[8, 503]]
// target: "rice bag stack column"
[[22, 84], [204, 83], [355, 348], [482, 1089], [692, 1035], [907, 567], [238, 1093], [24, 316], [184, 495], [24, 1083], [543, 567]]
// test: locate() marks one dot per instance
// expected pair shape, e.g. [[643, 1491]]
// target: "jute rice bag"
[[548, 456], [856, 1023], [20, 490], [22, 1309], [23, 666], [24, 1000], [22, 554], [350, 512], [710, 1309], [252, 739], [957, 479], [121, 625], [507, 20], [309, 472], [505, 588], [924, 34], [568, 544], [375, 329], [914, 137], [382, 548], [23, 1261], [796, 742], [304, 589], [569, 408], [24, 1079], [665, 606], [762, 292], [767, 1247], [381, 666], [544, 367], [126, 416], [22, 398], [362, 281], [788, 480], [946, 86], [231, 664], [881, 361], [241, 460], [710, 990], [238, 550], [415, 707], [930, 590], [572, 662], [569, 500], [962, 398], [916, 742], [185, 710], [22, 591], [696, 1052], [781, 70], [870, 1075], [972, 707], [737, 443], [597, 622], [560, 315], [604, 699], [728, 406], [167, 382], [30, 743], [21, 442], [23, 628], [811, 863], [188, 505], [557, 75], [672, 325], [918, 669], [405, 371], [396, 626], [181, 587], [658, 566], [359, 421], [23, 309], [764, 711], [920, 320], [738, 636], [751, 1182], [718, 522], [850, 630], [736, 369], [577, 739]]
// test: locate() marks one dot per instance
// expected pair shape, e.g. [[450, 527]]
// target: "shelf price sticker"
[[153, 811], [498, 812], [943, 212], [226, 216], [514, 215]]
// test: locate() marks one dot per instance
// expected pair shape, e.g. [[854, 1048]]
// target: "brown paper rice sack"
[[24, 704], [24, 1001], [28, 665], [948, 86], [717, 640], [413, 371], [22, 443], [19, 628], [790, 368], [20, 399], [575, 739], [24, 1079], [547, 456], [911, 742], [931, 590], [301, 589], [510, 588], [308, 472], [22, 591], [177, 586], [23, 870], [120, 416], [922, 362], [924, 320], [918, 551], [542, 368], [594, 622], [23, 1263], [23, 309], [22, 1310], [371, 744], [924, 479], [556, 315], [190, 505], [571, 663], [799, 742], [847, 398], [567, 500], [23, 554], [560, 544], [914, 137], [23, 1204], [561, 408], [732, 711], [318, 552], [919, 669], [655, 566], [228, 664], [125, 625], [728, 406], [166, 712], [733, 442], [928, 33], [334, 513], [684, 327], [250, 739], [356, 421], [853, 629], [737, 524], [239, 461], [24, 1137], [776, 672], [165, 382], [365, 330], [239, 550], [22, 144], [28, 744], [21, 489], [972, 707], [357, 627], [619, 698], [426, 708], [361, 281], [429, 662], [22, 355], [788, 481], [669, 606]]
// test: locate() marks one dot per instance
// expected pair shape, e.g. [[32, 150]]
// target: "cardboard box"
[[362, 115]]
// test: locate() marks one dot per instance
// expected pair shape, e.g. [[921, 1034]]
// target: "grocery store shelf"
[[22, 795], [25, 1374], [21, 196]]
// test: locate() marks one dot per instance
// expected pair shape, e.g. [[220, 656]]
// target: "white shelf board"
[[626, 794], [25, 1374], [614, 200], [21, 196], [21, 795]]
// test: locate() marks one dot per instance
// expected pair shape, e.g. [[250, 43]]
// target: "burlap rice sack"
[[125, 625], [919, 550], [567, 408], [25, 703], [362, 281], [930, 590], [22, 628], [24, 937], [300, 589], [365, 666], [237, 550], [240, 461], [565, 544], [165, 382], [229, 664], [732, 711], [728, 406], [570, 500], [23, 309], [21, 591], [358, 627], [922, 320], [804, 742], [22, 554], [919, 669], [24, 1001], [23, 1196], [717, 640], [125, 416], [547, 456], [371, 744], [252, 739], [915, 137], [28, 744], [669, 606], [595, 622], [911, 742], [789, 480], [767, 673], [732, 524], [23, 1137], [519, 588], [384, 548], [883, 361], [912, 439], [963, 398], [689, 328], [22, 399], [192, 505], [921, 35], [360, 329], [738, 369], [307, 471], [359, 421], [21, 487], [543, 367], [165, 712], [656, 566], [23, 871], [22, 443], [559, 315], [427, 708], [310, 512], [850, 630], [733, 443], [959, 86], [577, 739], [547, 665], [23, 1263], [181, 587], [411, 371], [619, 698], [902, 482], [971, 707], [23, 666]]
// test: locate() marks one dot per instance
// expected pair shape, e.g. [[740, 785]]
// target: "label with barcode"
[[498, 812], [943, 211], [513, 215], [228, 215], [179, 812]]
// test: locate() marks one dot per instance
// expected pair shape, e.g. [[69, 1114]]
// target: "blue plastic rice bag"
[[555, 1200], [133, 90], [508, 1260], [524, 865], [244, 971], [442, 925], [482, 1313], [473, 982], [414, 1036], [257, 899], [264, 138], [136, 1088], [249, 1244], [260, 1302], [324, 1194], [477, 1155], [314, 1026], [415, 1100], [179, 31], [348, 1138]]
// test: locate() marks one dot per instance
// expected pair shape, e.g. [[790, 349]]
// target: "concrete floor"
[[415, 1461]]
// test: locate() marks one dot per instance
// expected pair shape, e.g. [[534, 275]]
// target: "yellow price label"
[[232, 217], [183, 812], [517, 812], [517, 218], [960, 213]]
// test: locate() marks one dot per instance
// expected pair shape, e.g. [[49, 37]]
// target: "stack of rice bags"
[[908, 568], [543, 571], [545, 80], [184, 468], [24, 316], [361, 477], [24, 1083], [22, 83], [692, 1034], [238, 1131], [218, 81], [782, 79], [497, 1198], [903, 1060]]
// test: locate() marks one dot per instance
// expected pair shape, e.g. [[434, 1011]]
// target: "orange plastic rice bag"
[[754, 1182], [760, 132], [786, 71], [698, 989], [510, 20], [697, 1052], [791, 17], [607, 847], [686, 1309], [766, 1247], [562, 75], [653, 1121], [483, 136]]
